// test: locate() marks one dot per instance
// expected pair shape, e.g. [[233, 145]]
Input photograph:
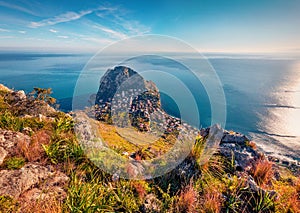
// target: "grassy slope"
[[219, 188]]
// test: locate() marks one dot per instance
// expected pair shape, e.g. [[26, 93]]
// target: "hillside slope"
[[44, 169]]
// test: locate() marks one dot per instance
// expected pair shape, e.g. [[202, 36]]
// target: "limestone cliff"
[[124, 91]]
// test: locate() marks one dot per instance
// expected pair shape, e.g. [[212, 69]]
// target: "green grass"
[[8, 204], [14, 163], [217, 186]]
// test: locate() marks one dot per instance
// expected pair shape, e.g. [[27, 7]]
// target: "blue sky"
[[207, 25]]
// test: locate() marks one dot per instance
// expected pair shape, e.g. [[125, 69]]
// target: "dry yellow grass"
[[34, 151], [130, 140], [262, 172]]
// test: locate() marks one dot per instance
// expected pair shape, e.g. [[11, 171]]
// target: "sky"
[[207, 25]]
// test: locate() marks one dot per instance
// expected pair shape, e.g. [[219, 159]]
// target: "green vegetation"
[[214, 186], [43, 94], [8, 204], [14, 163]]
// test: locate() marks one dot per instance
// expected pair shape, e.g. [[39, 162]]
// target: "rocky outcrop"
[[125, 95], [34, 181], [235, 146], [22, 105], [10, 139], [234, 137], [16, 182]]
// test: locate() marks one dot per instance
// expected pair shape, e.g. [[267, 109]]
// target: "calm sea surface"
[[262, 93]]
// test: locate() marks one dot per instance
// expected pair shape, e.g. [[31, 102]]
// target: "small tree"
[[43, 94]]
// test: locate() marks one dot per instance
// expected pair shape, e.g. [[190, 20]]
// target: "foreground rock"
[[236, 146], [22, 105], [31, 177], [9, 141]]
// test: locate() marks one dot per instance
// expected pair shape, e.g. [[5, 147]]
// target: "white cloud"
[[110, 32], [22, 31], [16, 7], [53, 31], [63, 37], [97, 40], [4, 30], [131, 27], [66, 17]]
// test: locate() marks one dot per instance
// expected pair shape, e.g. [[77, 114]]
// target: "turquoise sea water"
[[262, 92]]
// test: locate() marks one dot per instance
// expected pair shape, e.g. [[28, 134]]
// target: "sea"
[[261, 91]]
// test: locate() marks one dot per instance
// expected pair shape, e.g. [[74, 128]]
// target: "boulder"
[[256, 189], [234, 137], [135, 170], [33, 177], [53, 187], [15, 182], [244, 157], [10, 139], [16, 97]]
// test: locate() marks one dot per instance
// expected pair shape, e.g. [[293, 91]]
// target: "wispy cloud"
[[131, 27], [4, 30], [22, 31], [110, 32], [65, 37], [16, 7], [53, 31], [66, 17], [97, 40]]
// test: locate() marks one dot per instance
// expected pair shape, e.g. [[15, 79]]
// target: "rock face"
[[124, 95], [113, 79], [235, 146], [234, 137], [34, 181], [22, 105], [10, 139], [16, 182]]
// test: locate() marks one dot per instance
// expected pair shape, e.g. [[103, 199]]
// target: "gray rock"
[[255, 188], [3, 154], [151, 204], [234, 137], [243, 158], [15, 97], [10, 139], [135, 170], [16, 182]]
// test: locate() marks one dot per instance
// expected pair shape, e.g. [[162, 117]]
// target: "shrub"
[[34, 151], [42, 94], [211, 201], [187, 201], [262, 171], [288, 197], [261, 202]]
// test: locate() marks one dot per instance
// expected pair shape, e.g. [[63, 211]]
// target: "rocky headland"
[[44, 169]]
